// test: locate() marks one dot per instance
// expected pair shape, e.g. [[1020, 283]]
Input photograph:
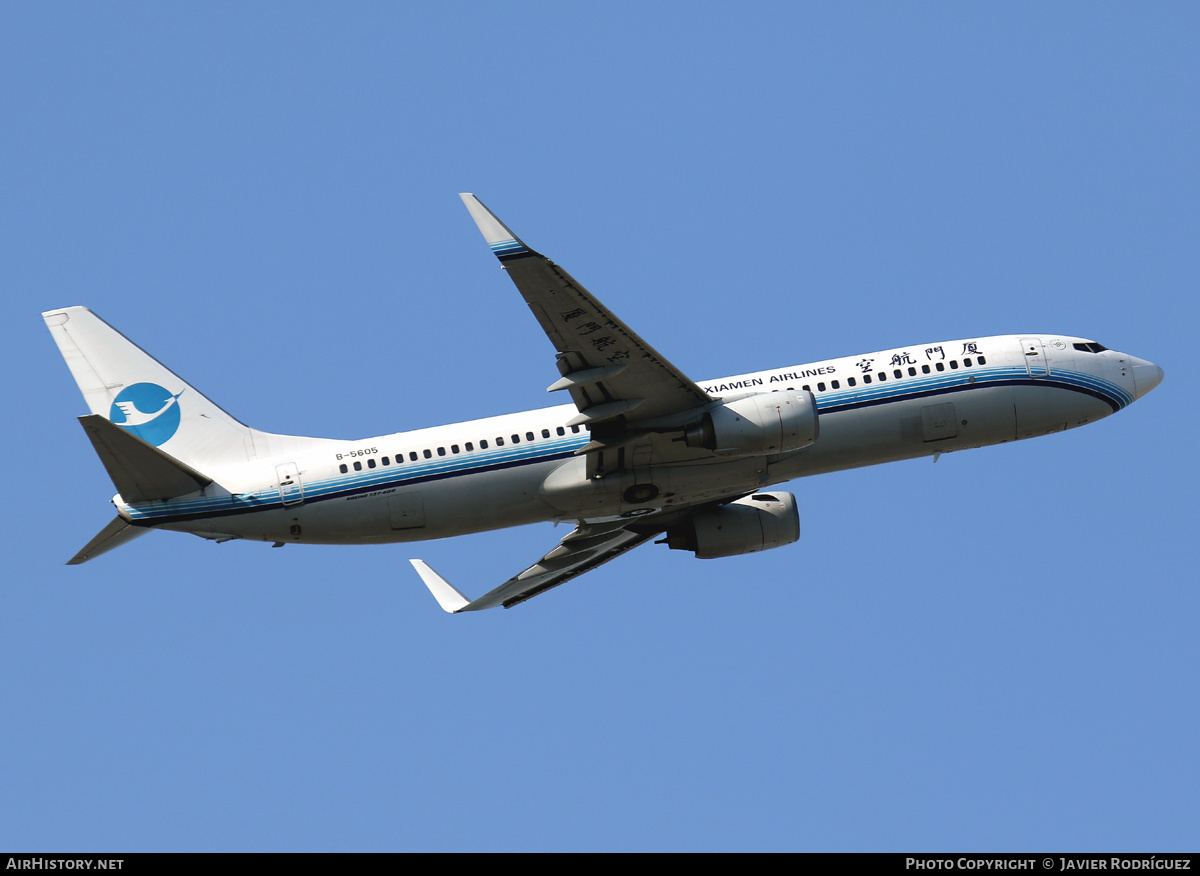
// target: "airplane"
[[640, 452]]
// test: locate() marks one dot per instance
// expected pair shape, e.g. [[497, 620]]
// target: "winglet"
[[499, 237], [443, 591]]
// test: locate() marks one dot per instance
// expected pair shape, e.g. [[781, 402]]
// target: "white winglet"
[[443, 591], [499, 237]]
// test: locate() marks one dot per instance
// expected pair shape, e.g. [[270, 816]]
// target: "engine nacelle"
[[755, 523], [770, 422]]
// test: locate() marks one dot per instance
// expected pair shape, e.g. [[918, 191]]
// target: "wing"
[[585, 548], [634, 402], [613, 376]]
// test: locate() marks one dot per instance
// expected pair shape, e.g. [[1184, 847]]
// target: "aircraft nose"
[[1146, 376]]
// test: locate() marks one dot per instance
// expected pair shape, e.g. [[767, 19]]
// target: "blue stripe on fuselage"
[[478, 462]]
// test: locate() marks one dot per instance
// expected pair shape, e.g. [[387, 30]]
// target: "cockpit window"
[[1090, 348]]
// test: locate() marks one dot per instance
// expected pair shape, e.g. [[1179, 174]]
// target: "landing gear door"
[[291, 489], [1036, 361]]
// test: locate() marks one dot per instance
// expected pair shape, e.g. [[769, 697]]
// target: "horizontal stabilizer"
[[112, 536], [140, 471]]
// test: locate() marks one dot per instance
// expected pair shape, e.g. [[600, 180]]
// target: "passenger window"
[[545, 433], [897, 373], [982, 361], [469, 446], [358, 466], [967, 362], [850, 381], [912, 372], [561, 431], [483, 444], [939, 366], [528, 436], [499, 441], [881, 376], [866, 378], [428, 454], [371, 462], [412, 455], [516, 439], [835, 384], [953, 364], [820, 387], [575, 429], [924, 369], [441, 451], [342, 468], [386, 461], [454, 448], [806, 388]]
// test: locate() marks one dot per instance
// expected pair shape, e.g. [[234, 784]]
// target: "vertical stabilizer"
[[130, 388]]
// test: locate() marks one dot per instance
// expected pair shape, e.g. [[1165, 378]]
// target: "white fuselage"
[[522, 468]]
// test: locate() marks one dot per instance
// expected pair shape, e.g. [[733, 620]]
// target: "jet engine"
[[754, 523], [769, 422]]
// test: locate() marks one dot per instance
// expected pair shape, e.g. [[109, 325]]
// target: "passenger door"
[[1036, 361]]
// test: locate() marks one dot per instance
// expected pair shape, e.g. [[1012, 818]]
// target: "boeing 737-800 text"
[[641, 451]]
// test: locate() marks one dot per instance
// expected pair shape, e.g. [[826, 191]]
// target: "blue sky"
[[996, 652]]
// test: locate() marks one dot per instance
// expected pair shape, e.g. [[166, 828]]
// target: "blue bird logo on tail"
[[148, 411]]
